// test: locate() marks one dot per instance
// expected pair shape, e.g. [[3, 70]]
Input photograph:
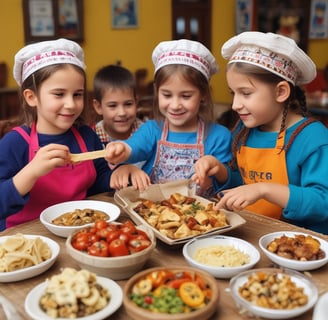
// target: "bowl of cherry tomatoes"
[[112, 249], [174, 293]]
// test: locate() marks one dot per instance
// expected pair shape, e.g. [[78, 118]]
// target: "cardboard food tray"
[[128, 199]]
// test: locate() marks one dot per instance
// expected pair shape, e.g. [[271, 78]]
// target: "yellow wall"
[[133, 47]]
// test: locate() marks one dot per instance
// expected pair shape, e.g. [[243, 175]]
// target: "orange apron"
[[264, 165]]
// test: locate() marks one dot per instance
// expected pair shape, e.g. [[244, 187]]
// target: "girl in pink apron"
[[182, 141], [279, 154], [35, 167]]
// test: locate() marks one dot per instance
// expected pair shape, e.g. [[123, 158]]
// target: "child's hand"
[[117, 152], [48, 158], [239, 198], [205, 167], [123, 175]]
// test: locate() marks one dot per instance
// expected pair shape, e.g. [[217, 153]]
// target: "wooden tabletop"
[[164, 255]]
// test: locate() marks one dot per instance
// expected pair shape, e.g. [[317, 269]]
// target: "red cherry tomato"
[[136, 245], [124, 237], [103, 233], [118, 248], [80, 241], [128, 227], [112, 235], [93, 237], [100, 224], [99, 249]]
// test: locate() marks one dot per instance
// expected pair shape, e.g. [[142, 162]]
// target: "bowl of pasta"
[[295, 250], [273, 293], [221, 256], [26, 256], [171, 293], [64, 218]]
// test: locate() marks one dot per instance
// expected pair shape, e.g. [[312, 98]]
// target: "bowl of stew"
[[64, 218]]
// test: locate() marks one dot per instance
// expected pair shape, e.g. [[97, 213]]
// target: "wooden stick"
[[78, 157]]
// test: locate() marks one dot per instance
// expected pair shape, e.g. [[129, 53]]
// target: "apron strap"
[[200, 131], [298, 130]]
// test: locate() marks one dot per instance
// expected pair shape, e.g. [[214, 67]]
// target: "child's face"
[[60, 101], [118, 108], [254, 101], [179, 102]]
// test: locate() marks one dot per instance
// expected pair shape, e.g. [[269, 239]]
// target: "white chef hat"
[[187, 52], [41, 54], [276, 53]]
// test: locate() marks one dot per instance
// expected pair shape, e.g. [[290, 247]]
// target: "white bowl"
[[251, 310], [116, 268], [35, 270], [52, 212], [290, 263], [321, 308], [33, 309], [190, 249]]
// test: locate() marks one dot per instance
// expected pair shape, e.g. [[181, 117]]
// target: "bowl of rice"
[[221, 256]]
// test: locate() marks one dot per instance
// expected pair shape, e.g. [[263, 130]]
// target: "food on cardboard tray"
[[181, 216]]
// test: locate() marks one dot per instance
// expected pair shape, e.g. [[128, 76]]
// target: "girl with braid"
[[280, 156]]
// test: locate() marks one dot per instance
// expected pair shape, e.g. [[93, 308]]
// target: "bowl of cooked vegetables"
[[221, 256], [64, 218], [174, 293], [295, 250], [273, 293], [112, 249]]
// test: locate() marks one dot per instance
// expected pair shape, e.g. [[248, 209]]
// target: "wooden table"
[[164, 255]]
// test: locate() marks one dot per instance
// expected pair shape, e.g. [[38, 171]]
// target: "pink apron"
[[174, 160], [59, 185]]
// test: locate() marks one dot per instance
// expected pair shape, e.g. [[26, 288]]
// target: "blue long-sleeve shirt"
[[14, 156], [307, 168], [143, 142]]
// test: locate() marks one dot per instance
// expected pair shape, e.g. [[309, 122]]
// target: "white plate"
[[321, 308], [52, 212], [35, 270], [190, 249], [33, 309], [290, 263], [247, 307]]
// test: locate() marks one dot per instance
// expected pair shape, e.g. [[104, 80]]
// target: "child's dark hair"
[[34, 81], [193, 76], [295, 102], [113, 76]]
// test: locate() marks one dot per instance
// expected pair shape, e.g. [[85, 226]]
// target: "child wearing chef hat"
[[183, 140], [35, 166], [278, 151]]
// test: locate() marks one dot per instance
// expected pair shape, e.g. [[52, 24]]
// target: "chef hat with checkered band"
[[41, 54], [276, 53], [187, 52]]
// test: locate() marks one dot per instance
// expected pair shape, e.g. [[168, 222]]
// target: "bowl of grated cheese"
[[221, 256]]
